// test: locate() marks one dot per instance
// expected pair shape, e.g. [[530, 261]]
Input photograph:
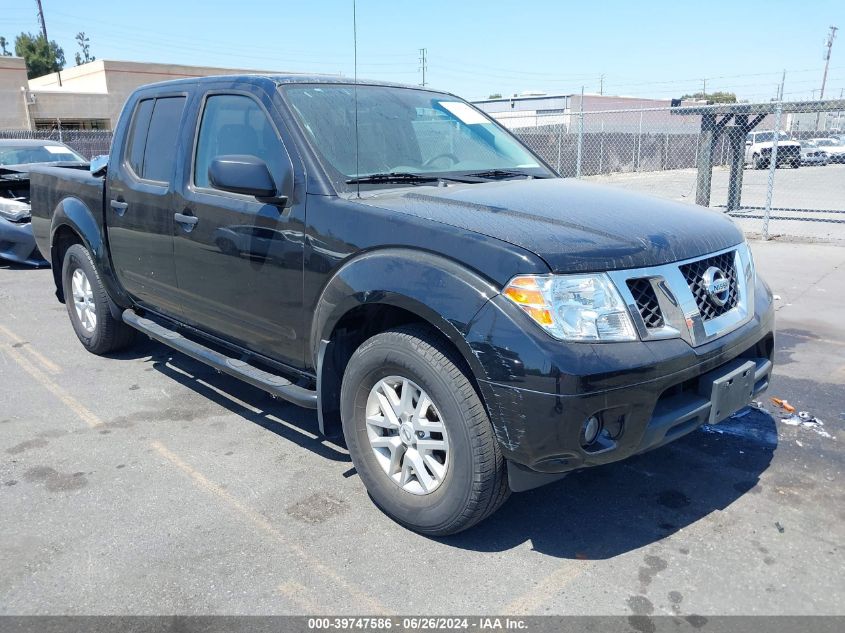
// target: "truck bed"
[[49, 185]]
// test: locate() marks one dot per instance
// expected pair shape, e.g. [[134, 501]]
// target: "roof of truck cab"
[[281, 79]]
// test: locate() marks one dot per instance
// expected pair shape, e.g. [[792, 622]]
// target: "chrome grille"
[[693, 274], [646, 300]]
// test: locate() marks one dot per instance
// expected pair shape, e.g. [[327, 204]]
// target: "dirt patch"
[[317, 508]]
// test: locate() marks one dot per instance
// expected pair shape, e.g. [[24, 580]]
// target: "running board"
[[273, 384]]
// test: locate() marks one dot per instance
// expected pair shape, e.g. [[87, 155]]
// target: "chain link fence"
[[778, 168], [89, 143]]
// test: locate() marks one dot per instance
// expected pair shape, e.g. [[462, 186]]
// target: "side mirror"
[[99, 165], [241, 173], [747, 143]]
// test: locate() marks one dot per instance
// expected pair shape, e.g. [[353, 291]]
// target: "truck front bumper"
[[541, 393], [17, 243]]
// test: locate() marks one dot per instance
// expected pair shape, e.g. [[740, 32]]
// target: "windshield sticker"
[[56, 149], [464, 112]]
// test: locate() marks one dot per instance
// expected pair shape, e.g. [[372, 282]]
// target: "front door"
[[238, 260], [139, 204]]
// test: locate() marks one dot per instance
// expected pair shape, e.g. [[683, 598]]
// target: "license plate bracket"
[[729, 388]]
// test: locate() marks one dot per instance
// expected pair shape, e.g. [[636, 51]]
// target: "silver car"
[[812, 154]]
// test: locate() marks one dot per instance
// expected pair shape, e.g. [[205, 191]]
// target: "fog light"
[[592, 428]]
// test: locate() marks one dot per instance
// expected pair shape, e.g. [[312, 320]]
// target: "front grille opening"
[[646, 300], [694, 275]]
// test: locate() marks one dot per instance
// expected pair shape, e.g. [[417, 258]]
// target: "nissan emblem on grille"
[[717, 285]]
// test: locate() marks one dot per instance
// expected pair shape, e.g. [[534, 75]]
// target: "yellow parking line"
[[527, 603], [45, 381], [45, 362], [260, 521]]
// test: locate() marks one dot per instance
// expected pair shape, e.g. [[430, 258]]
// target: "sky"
[[641, 48]]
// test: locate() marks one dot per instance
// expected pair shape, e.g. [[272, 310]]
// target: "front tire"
[[87, 305], [419, 435]]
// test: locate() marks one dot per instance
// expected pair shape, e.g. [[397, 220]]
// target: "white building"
[[89, 96]]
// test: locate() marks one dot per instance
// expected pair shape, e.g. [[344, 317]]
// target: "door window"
[[151, 152], [235, 124], [138, 136]]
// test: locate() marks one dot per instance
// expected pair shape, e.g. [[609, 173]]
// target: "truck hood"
[[574, 226]]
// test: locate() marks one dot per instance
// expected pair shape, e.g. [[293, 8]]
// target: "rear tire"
[[460, 485], [88, 307], [758, 162]]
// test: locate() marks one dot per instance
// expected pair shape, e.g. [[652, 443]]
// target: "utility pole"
[[704, 87], [44, 33], [423, 64], [601, 84], [829, 45]]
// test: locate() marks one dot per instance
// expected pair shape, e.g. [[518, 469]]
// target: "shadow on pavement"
[[597, 513], [602, 512], [286, 420]]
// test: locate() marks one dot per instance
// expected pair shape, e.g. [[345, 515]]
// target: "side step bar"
[[271, 383]]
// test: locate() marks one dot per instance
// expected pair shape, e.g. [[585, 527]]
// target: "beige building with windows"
[[88, 97]]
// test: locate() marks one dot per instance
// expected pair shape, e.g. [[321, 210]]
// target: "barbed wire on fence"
[[88, 143]]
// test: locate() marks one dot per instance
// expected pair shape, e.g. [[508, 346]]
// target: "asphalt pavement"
[[146, 483]]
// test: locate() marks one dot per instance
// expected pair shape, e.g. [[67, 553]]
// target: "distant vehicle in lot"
[[758, 149], [834, 148], [812, 154], [399, 262], [16, 158]]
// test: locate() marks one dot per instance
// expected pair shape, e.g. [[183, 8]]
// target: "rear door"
[[238, 260], [139, 202]]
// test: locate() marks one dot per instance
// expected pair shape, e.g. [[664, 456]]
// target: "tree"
[[713, 97], [84, 45], [495, 95], [41, 57], [3, 44]]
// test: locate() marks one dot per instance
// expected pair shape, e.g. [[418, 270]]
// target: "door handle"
[[119, 206], [187, 222]]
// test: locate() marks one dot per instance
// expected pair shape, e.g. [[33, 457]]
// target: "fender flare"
[[442, 292], [437, 289], [74, 214]]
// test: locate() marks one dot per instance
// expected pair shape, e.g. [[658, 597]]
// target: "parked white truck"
[[758, 149]]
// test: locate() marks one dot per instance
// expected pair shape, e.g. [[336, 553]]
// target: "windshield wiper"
[[391, 177], [500, 174]]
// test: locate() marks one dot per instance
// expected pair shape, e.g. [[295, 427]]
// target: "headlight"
[[573, 307], [13, 210]]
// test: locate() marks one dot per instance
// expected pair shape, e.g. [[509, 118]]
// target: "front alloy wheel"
[[418, 433], [407, 435]]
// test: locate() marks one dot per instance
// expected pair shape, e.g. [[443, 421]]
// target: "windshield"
[[809, 144], [403, 131], [25, 154]]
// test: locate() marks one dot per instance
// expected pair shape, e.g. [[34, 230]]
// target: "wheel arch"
[[385, 289], [73, 222]]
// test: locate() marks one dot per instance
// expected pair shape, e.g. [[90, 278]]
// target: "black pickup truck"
[[396, 260]]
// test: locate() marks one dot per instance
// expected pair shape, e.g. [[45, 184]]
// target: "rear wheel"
[[758, 162], [419, 435], [87, 305]]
